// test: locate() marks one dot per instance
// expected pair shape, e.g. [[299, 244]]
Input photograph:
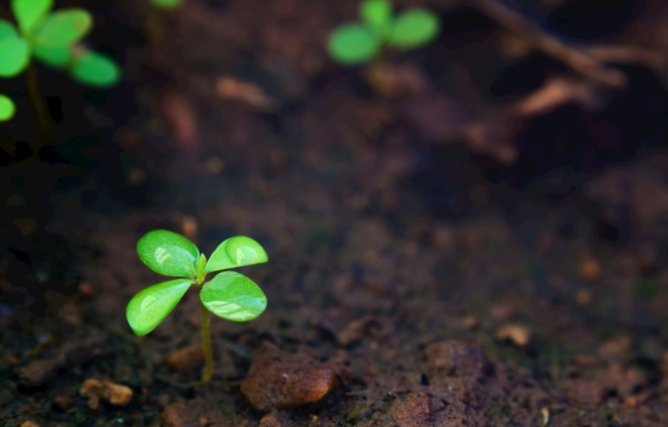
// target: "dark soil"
[[412, 282]]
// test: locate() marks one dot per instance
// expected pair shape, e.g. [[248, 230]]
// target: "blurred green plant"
[[229, 295], [7, 108], [359, 42], [53, 39]]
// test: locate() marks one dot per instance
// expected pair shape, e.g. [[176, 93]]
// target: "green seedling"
[[359, 42], [53, 39], [7, 108], [229, 295]]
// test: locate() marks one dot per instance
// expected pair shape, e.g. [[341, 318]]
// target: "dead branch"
[[576, 58]]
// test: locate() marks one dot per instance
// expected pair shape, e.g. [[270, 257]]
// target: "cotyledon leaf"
[[148, 308], [233, 296], [413, 28], [30, 12], [168, 253], [236, 252], [62, 28], [353, 43]]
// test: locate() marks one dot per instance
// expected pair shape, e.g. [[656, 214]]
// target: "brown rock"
[[518, 335], [185, 358], [96, 390], [29, 424], [63, 403], [279, 380], [413, 410], [270, 420], [455, 358]]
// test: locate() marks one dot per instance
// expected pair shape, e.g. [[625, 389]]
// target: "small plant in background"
[[52, 38], [7, 108], [360, 42], [156, 20], [229, 295]]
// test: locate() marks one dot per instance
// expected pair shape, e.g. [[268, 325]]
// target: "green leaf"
[[94, 69], [236, 252], [7, 29], [148, 308], [63, 28], [30, 12], [7, 108], [233, 296], [167, 4], [413, 28], [168, 253], [57, 57], [353, 44], [15, 54], [376, 13]]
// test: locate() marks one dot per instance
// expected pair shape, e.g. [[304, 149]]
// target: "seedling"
[[52, 38], [359, 42], [229, 295], [7, 108]]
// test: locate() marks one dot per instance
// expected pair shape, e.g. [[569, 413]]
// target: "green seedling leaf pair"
[[52, 38], [229, 295], [358, 42]]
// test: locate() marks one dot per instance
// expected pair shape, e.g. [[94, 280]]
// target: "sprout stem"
[[206, 343], [37, 99], [155, 24]]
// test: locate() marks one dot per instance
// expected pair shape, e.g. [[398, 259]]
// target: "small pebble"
[[518, 335], [63, 403], [185, 358], [96, 390], [270, 420], [589, 270]]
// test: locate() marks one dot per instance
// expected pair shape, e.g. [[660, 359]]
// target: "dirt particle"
[[615, 349], [471, 322], [413, 410], [637, 400], [355, 330], [63, 403], [185, 358], [96, 390], [86, 290], [583, 297], [503, 311], [588, 392], [454, 358], [589, 269], [189, 227], [270, 420], [518, 335]]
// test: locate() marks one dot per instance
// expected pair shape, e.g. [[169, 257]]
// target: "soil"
[[412, 280]]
